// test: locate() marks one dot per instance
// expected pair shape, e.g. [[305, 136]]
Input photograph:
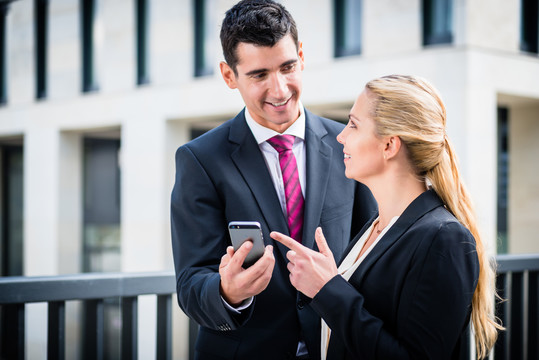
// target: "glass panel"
[[41, 17], [205, 41], [529, 26], [348, 15], [142, 42], [101, 205], [437, 22], [90, 36], [12, 211], [503, 179], [3, 70]]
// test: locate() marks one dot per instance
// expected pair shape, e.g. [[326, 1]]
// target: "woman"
[[416, 274]]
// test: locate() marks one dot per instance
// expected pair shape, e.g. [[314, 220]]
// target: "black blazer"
[[221, 177], [411, 296]]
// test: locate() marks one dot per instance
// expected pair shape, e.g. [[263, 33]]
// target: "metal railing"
[[93, 289], [517, 283]]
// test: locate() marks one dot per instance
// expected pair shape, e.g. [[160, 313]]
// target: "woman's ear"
[[228, 75], [392, 147]]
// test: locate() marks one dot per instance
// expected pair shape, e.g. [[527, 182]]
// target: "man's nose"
[[278, 87]]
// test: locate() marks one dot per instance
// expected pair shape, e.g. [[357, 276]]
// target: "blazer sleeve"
[[198, 231], [433, 308]]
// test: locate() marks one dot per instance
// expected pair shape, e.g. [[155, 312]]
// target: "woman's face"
[[363, 149]]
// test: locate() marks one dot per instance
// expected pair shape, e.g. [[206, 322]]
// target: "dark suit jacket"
[[411, 296], [221, 177]]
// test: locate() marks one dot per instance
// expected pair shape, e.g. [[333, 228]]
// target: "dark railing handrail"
[[517, 262], [30, 289]]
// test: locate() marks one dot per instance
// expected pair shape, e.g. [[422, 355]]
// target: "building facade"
[[96, 95]]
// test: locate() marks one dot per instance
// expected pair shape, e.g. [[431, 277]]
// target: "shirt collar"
[[262, 133]]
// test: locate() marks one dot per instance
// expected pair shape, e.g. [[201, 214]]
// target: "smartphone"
[[241, 231]]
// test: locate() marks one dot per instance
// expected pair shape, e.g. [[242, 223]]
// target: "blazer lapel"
[[424, 203], [250, 163], [318, 157]]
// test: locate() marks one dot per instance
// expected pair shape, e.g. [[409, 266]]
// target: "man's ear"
[[228, 75], [301, 55]]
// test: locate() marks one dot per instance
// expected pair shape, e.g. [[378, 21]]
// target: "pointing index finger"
[[287, 241]]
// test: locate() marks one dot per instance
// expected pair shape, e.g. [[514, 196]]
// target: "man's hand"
[[309, 270], [237, 283]]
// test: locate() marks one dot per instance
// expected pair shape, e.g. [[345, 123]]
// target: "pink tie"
[[292, 188]]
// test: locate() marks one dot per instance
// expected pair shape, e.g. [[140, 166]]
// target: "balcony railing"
[[517, 283]]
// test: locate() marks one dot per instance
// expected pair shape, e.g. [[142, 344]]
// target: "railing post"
[[533, 315], [500, 348], [12, 342], [56, 331], [93, 345], [164, 327], [129, 328], [516, 335]]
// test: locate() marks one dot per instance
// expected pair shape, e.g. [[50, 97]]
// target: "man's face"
[[269, 80]]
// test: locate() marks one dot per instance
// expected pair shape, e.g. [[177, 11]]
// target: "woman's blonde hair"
[[410, 108]]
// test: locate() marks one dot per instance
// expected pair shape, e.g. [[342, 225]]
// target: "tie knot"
[[282, 143]]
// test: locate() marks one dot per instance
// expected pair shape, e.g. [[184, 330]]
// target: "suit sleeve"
[[433, 309], [199, 241]]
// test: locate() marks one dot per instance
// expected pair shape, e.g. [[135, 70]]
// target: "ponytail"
[[445, 179]]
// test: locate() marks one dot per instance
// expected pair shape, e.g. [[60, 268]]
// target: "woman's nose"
[[341, 136]]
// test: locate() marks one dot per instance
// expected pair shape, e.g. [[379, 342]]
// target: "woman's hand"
[[309, 270]]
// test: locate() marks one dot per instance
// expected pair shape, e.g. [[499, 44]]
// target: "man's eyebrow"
[[256, 72], [260, 71]]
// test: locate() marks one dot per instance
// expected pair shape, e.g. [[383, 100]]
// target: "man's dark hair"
[[257, 22]]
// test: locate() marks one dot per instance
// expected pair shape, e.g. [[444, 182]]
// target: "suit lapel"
[[423, 204], [318, 157], [250, 163]]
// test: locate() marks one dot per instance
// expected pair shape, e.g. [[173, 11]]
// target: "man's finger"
[[287, 241], [241, 253], [323, 247]]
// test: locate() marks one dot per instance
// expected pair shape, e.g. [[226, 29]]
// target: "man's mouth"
[[277, 104]]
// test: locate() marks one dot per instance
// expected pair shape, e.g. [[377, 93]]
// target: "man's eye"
[[289, 68]]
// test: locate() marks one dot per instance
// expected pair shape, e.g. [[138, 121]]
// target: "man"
[[233, 173]]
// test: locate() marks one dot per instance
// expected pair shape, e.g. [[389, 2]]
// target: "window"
[[529, 29], [204, 37], [11, 210], [89, 40], [348, 15], [437, 22], [503, 178], [142, 41], [101, 233], [41, 17], [101, 205], [3, 55]]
